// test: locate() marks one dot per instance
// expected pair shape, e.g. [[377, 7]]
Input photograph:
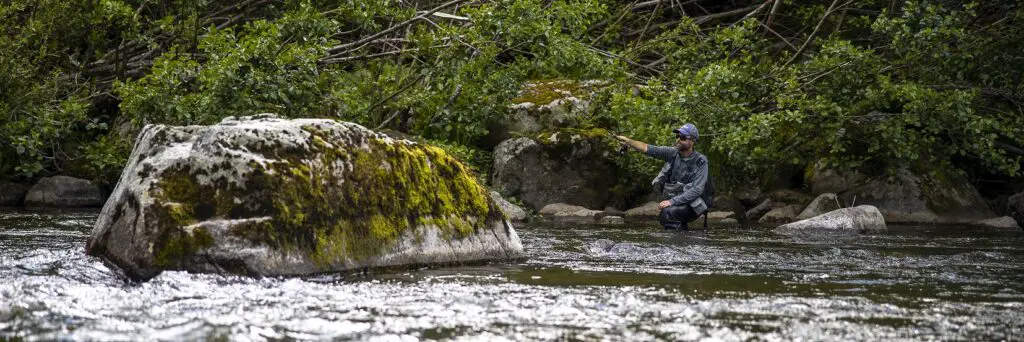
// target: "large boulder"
[[568, 166], [935, 197], [63, 191], [1015, 208], [12, 194], [271, 197], [859, 219]]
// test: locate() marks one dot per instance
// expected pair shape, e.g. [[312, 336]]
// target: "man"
[[684, 197]]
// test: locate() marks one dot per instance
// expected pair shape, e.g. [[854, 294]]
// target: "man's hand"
[[636, 145], [664, 204]]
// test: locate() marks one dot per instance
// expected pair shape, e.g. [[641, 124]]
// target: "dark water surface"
[[633, 282]]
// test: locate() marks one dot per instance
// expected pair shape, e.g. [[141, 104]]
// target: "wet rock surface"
[[266, 196], [864, 219]]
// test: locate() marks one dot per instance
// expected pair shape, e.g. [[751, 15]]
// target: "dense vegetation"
[[772, 84]]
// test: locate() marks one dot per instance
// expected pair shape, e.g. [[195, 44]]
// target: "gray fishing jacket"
[[691, 173]]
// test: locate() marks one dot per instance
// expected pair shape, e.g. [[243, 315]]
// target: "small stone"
[[612, 220]]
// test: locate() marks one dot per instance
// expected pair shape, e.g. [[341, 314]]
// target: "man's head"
[[686, 136]]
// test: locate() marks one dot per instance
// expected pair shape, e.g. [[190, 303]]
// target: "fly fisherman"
[[685, 177]]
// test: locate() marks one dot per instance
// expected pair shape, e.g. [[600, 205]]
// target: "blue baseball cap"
[[688, 130]]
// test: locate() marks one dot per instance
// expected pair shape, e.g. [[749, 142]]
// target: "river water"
[[580, 282]]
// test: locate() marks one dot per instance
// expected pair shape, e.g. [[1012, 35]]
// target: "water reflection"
[[632, 282]]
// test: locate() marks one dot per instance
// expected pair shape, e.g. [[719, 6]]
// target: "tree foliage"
[[859, 84]]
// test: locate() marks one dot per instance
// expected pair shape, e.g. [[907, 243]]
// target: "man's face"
[[684, 142]]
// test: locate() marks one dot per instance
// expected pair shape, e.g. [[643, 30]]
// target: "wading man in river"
[[685, 195]]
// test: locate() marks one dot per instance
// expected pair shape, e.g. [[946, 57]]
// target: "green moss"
[[385, 190], [175, 246], [545, 92], [567, 135]]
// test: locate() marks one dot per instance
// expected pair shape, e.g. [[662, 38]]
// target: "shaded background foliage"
[[869, 85]]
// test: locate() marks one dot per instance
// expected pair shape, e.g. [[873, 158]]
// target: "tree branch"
[[800, 51], [334, 51]]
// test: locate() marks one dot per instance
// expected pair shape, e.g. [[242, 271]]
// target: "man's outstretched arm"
[[636, 145]]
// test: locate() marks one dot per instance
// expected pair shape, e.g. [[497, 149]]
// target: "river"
[[580, 282]]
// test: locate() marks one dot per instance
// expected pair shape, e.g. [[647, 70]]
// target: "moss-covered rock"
[[571, 166], [265, 196], [544, 106]]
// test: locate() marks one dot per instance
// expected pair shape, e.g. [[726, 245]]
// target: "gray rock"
[[599, 246], [563, 167], [721, 215], [748, 195], [1015, 208], [911, 198], [512, 212], [756, 212], [568, 212], [271, 197], [822, 204], [63, 191], [614, 211], [12, 194], [859, 219], [612, 220], [645, 212], [728, 221], [782, 214], [727, 203], [1004, 222]]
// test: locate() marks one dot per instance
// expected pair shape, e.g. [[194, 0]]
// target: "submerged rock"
[[269, 197], [860, 219], [612, 220], [63, 191]]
